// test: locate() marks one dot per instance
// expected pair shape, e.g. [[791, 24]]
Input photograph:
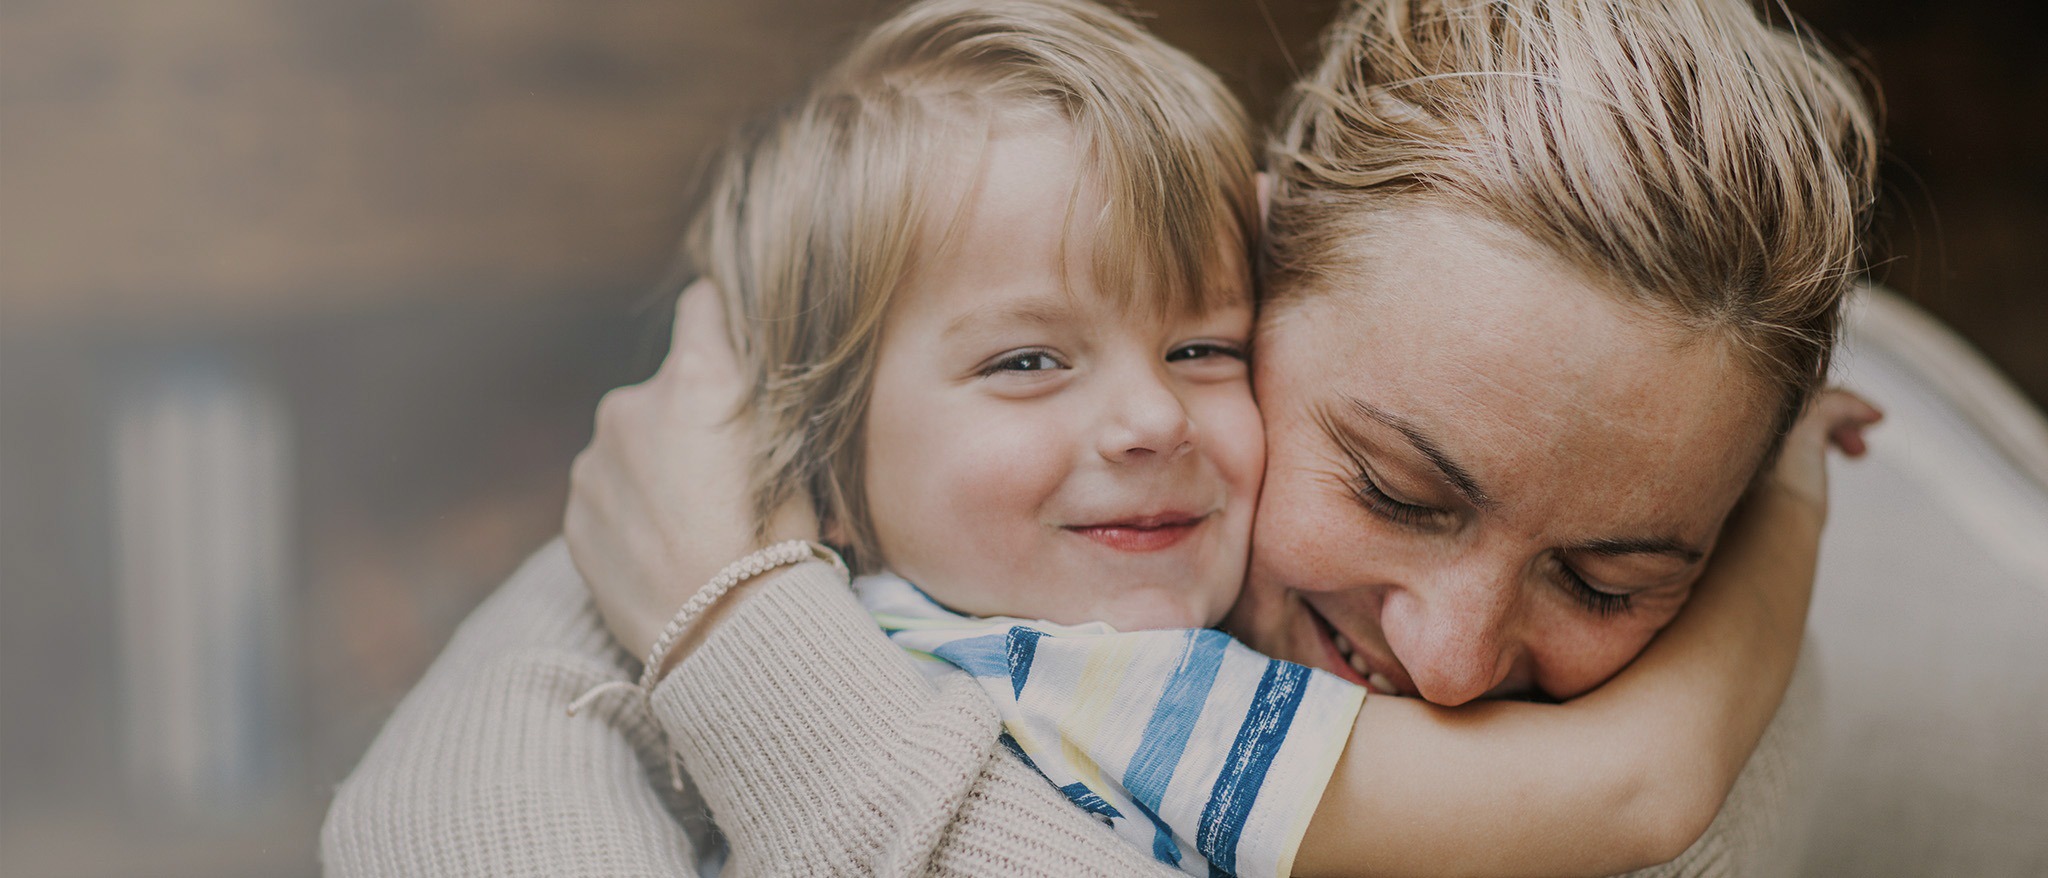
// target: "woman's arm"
[[815, 767], [480, 772], [1625, 776], [821, 750]]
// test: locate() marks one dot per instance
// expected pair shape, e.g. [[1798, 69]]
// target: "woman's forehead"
[[1553, 391]]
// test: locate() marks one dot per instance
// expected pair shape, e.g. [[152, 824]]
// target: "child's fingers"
[[1849, 438], [1843, 415], [1840, 406]]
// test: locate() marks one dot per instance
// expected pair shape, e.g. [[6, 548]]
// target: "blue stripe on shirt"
[[1172, 722], [984, 656], [1023, 648], [1081, 795], [1244, 771]]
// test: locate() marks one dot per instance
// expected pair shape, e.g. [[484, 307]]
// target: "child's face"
[[1034, 450]]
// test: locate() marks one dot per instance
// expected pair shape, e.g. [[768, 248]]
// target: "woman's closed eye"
[[1377, 501], [1598, 602]]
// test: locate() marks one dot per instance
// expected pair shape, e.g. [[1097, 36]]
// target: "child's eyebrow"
[[1036, 311]]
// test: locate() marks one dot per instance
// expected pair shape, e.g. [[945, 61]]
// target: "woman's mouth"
[[1144, 534], [1343, 655]]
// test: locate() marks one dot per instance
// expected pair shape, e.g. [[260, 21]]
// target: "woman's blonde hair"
[[1708, 165], [814, 224]]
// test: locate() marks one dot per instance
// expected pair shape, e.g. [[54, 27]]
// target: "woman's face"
[[1486, 476]]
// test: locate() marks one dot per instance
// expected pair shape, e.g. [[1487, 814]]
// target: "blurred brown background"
[[304, 307]]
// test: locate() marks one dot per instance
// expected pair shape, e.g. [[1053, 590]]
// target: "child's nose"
[[1148, 420]]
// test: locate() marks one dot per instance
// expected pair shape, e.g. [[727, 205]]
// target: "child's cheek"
[[987, 508], [1237, 438], [1010, 466]]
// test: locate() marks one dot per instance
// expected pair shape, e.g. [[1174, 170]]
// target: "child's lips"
[[1149, 533]]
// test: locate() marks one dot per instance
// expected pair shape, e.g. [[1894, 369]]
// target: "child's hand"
[[658, 502], [1834, 417]]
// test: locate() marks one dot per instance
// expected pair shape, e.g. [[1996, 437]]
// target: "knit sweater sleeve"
[[822, 751], [818, 747], [480, 771]]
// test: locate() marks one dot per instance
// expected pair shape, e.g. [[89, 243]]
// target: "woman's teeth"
[[1377, 680]]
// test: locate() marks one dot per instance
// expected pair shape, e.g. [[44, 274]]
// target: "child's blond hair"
[[812, 226]]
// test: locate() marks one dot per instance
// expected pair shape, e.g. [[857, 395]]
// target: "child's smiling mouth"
[[1148, 533]]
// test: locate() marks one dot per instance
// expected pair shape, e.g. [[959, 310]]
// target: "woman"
[[1555, 277]]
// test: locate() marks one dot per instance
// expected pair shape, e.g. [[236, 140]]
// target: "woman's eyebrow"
[[1460, 479], [1642, 546]]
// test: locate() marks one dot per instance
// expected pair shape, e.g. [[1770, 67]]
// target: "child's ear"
[[1265, 187]]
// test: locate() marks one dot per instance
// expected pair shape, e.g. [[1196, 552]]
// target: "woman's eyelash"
[[1377, 500], [1601, 603]]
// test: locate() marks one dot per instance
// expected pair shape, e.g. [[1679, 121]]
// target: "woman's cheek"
[[1577, 651], [1306, 536]]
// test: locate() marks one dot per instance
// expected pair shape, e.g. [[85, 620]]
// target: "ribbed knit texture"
[[481, 772], [879, 770], [818, 747]]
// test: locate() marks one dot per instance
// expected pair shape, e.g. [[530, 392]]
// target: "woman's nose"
[[1147, 419], [1457, 641]]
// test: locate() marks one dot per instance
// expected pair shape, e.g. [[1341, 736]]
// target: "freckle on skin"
[[1579, 413]]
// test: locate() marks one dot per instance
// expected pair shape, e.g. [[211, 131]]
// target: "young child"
[[992, 281]]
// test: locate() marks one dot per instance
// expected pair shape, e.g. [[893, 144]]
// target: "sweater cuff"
[[797, 714]]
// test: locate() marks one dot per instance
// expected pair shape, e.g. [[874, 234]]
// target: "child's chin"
[[1185, 612]]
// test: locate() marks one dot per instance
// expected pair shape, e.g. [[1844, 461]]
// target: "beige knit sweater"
[[816, 745]]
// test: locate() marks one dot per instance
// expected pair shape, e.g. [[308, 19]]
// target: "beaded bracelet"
[[779, 555]]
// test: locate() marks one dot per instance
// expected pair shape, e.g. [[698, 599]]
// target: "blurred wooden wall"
[[229, 160], [432, 228]]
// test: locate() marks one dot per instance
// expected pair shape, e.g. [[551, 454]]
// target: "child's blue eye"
[[1199, 350], [1025, 361]]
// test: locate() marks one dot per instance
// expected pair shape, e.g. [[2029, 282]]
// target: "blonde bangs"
[[1180, 210]]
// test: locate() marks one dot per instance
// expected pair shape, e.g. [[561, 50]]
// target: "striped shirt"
[[1187, 743]]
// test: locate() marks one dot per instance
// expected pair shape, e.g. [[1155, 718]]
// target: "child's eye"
[[1202, 349], [1024, 361]]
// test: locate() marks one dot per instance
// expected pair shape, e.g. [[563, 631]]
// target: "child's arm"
[[1622, 777]]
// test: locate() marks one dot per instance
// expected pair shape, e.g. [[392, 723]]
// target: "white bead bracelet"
[[781, 554]]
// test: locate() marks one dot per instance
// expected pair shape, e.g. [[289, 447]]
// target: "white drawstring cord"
[[779, 555], [586, 698]]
